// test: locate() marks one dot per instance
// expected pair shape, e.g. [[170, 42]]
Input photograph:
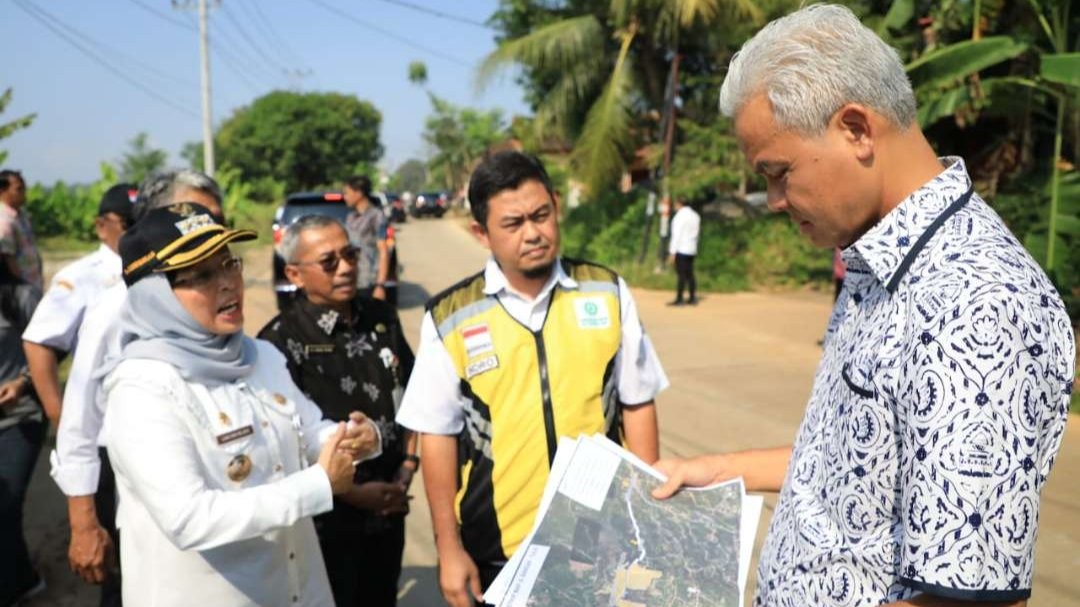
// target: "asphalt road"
[[741, 368]]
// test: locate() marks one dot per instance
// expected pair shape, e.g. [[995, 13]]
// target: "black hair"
[[361, 184], [503, 171], [5, 178]]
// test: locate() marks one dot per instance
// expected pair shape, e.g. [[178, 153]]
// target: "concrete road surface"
[[740, 366]]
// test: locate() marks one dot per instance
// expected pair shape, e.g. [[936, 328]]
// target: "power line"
[[106, 49], [262, 34], [44, 19], [438, 13], [283, 42], [251, 41], [165, 16], [402, 39], [229, 59]]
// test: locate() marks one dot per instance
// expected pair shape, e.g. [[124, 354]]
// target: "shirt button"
[[278, 468], [295, 599], [292, 556], [265, 424]]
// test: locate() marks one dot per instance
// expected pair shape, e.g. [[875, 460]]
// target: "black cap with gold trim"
[[173, 237]]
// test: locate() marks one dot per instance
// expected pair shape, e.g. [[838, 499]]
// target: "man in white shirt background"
[[53, 331], [682, 249]]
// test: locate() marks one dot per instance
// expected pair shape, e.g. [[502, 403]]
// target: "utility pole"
[[204, 61], [207, 120]]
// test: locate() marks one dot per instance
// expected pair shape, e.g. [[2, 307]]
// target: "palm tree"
[[606, 68]]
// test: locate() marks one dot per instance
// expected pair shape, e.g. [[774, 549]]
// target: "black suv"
[[430, 203], [314, 203]]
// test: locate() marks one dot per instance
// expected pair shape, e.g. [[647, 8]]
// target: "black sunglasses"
[[329, 264]]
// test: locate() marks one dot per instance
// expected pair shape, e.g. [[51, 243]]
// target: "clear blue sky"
[[86, 114]]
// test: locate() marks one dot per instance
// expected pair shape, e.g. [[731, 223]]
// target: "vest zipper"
[[545, 395]]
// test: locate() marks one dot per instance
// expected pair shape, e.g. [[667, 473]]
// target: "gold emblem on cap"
[[225, 421], [239, 468], [183, 209], [380, 328], [279, 399]]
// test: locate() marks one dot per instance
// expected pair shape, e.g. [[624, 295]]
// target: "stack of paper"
[[601, 539]]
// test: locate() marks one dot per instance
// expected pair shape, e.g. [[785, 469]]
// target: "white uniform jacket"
[[57, 318], [216, 491]]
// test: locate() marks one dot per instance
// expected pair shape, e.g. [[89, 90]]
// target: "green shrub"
[[64, 211], [733, 254]]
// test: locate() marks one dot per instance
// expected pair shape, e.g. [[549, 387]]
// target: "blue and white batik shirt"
[[937, 410]]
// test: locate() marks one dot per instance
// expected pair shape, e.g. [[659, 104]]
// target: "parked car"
[[430, 203], [313, 203], [394, 207]]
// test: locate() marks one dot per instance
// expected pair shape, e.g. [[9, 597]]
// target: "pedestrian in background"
[[18, 250], [682, 249], [346, 351], [367, 226], [22, 431]]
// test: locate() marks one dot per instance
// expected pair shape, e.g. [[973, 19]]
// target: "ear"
[[293, 274], [856, 125], [99, 227], [480, 233]]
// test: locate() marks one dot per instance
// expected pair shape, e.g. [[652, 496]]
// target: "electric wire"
[[230, 59], [251, 41], [438, 13], [45, 19], [284, 42], [402, 39]]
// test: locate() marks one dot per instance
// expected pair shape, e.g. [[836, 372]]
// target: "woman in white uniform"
[[220, 460]]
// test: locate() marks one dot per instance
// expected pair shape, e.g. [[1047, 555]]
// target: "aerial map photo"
[[637, 551]]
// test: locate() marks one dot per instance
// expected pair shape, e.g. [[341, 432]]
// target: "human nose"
[[775, 198], [530, 232]]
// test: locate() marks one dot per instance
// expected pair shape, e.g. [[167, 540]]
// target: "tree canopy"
[[141, 159], [304, 140]]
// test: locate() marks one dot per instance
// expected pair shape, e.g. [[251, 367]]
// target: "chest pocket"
[[230, 428], [858, 380]]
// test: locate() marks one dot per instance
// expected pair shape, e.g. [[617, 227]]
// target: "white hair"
[[812, 62], [290, 240], [158, 190]]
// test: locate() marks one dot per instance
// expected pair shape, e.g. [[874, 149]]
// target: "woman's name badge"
[[237, 434]]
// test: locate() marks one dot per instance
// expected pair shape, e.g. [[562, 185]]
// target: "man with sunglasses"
[[53, 330], [347, 351]]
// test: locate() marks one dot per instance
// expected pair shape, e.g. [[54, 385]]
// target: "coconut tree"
[[603, 65]]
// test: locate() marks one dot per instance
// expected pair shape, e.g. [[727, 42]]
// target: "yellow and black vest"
[[524, 390]]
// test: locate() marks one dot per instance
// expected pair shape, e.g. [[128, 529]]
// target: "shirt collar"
[[495, 282], [326, 319], [882, 248]]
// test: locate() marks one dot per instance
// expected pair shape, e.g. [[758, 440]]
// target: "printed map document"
[[601, 539]]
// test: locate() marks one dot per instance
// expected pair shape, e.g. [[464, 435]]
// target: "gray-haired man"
[[79, 464], [941, 399], [333, 331]]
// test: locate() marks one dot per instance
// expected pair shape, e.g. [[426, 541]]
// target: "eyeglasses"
[[329, 263], [230, 268]]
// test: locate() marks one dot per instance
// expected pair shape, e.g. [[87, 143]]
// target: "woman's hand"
[[361, 437], [337, 462]]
